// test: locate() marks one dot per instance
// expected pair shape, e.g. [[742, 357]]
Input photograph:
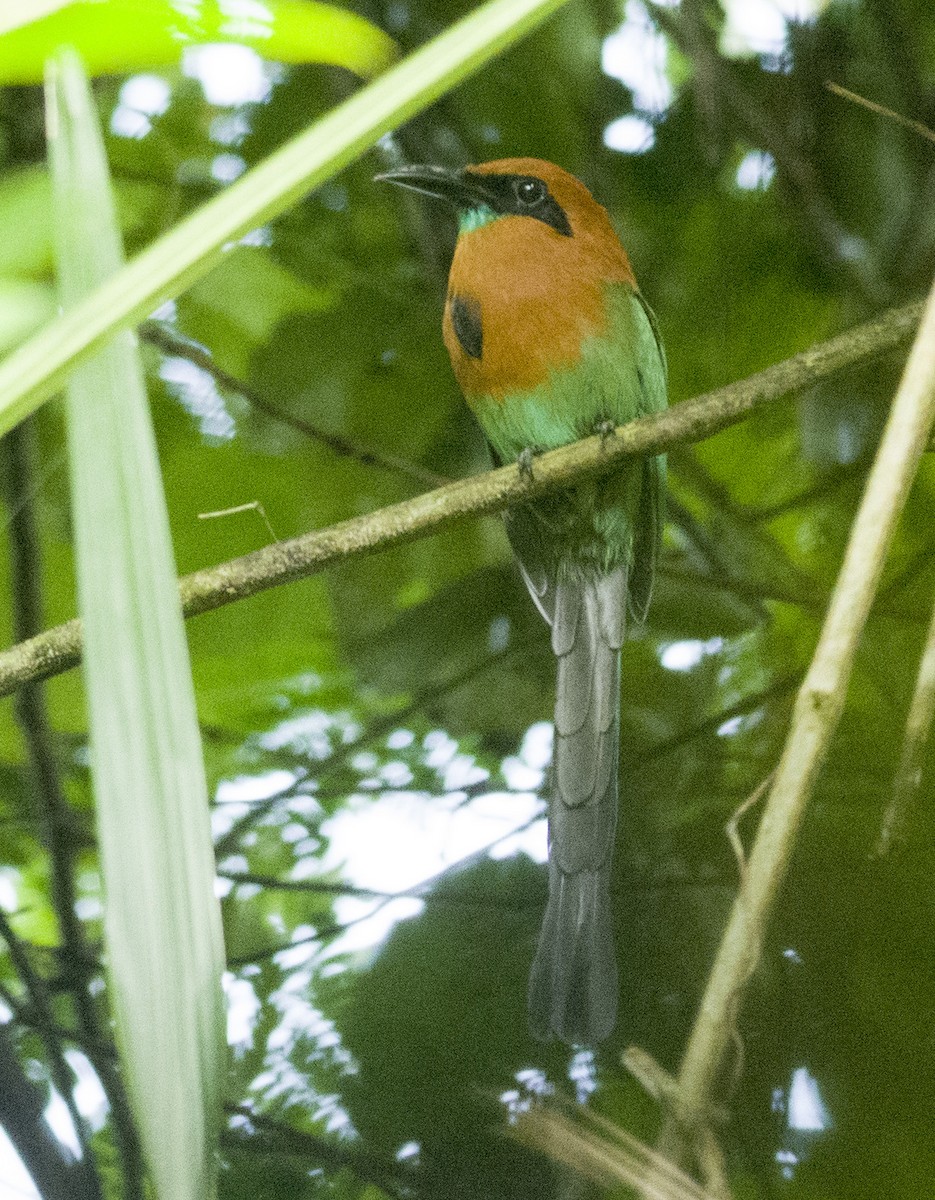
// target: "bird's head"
[[510, 187]]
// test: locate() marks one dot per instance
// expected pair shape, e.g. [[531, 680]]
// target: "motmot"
[[551, 341]]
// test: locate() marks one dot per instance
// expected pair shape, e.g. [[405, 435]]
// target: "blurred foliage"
[[379, 728]]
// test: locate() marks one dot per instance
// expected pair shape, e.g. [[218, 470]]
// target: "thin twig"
[[59, 649], [696, 1127], [248, 506], [171, 342], [732, 828], [915, 739], [693, 34], [881, 110], [604, 1153], [37, 989], [815, 717], [390, 1176], [376, 729], [418, 890], [56, 1173]]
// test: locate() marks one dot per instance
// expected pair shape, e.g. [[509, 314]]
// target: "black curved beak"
[[459, 188]]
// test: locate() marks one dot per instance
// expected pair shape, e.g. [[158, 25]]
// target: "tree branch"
[[174, 344], [59, 649], [57, 1174], [815, 717]]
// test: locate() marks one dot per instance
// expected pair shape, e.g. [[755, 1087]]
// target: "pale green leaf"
[[162, 921], [14, 13], [116, 37]]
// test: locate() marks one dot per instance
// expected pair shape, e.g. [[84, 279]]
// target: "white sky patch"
[[756, 171], [141, 97], [229, 74], [762, 26], [801, 10], [397, 840], [8, 895], [58, 1118], [149, 94], [498, 635], [247, 788], [753, 27], [225, 168], [369, 922], [243, 1008], [806, 1111], [683, 656], [636, 55], [89, 908], [199, 395], [15, 1181], [128, 123], [308, 733], [532, 1084], [301, 1019], [630, 135], [229, 129], [788, 1161], [582, 1072], [90, 1097]]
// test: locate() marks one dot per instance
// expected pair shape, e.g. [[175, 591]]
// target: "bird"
[[551, 341]]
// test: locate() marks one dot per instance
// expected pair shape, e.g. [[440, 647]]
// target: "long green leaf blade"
[[162, 920], [38, 368]]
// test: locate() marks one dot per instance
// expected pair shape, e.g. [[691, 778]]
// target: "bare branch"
[[171, 342], [61, 834], [59, 649], [881, 110]]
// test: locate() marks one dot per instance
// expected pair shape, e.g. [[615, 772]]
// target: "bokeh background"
[[378, 737]]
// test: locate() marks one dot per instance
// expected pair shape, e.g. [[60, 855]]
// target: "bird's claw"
[[605, 429], [524, 463]]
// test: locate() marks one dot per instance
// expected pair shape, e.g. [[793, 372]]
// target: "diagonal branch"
[[174, 344], [59, 649]]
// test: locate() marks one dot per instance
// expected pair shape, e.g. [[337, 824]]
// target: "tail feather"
[[573, 985]]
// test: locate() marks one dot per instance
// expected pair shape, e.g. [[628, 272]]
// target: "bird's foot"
[[524, 462], [605, 429]]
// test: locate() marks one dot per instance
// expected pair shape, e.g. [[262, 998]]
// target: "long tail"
[[573, 984]]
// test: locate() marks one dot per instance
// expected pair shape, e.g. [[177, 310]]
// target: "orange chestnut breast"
[[522, 297]]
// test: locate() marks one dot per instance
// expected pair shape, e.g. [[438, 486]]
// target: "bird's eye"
[[529, 192]]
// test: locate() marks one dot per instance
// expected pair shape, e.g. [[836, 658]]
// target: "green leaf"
[[120, 36], [162, 920], [24, 305], [173, 263]]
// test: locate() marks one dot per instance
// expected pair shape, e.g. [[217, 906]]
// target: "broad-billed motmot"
[[551, 341]]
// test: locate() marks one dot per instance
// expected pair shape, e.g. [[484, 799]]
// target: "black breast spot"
[[466, 320]]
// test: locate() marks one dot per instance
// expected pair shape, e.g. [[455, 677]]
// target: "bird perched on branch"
[[551, 341]]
